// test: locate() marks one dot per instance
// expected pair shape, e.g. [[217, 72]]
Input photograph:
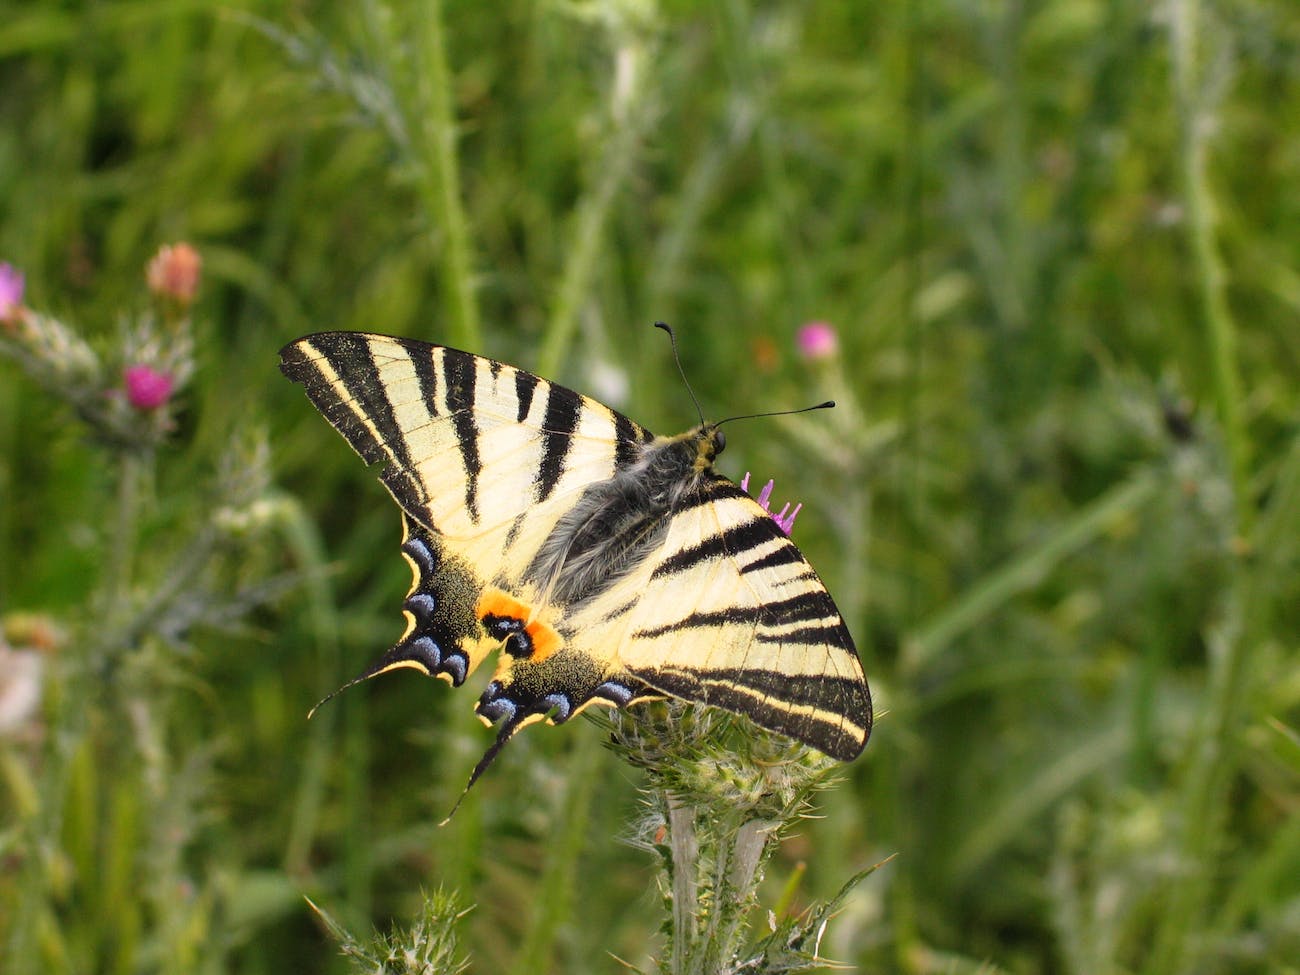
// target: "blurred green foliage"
[[1058, 505]]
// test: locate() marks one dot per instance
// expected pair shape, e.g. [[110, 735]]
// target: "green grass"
[[1059, 503]]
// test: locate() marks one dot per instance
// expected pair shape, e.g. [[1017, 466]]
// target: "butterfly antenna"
[[829, 404], [678, 359]]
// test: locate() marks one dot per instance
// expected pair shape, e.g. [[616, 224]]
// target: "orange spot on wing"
[[545, 640], [495, 602]]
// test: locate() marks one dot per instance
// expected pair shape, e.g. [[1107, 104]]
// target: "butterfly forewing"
[[471, 444]]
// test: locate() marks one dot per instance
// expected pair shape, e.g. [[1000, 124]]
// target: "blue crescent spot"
[[425, 650], [613, 691], [502, 707], [559, 703], [421, 554], [457, 666], [422, 605]]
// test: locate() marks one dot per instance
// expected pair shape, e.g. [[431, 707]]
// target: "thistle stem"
[[121, 552], [685, 851]]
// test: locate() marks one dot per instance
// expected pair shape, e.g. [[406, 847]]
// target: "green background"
[[1058, 503]]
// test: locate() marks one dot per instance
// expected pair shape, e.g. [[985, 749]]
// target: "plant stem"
[[435, 124], [121, 551], [1198, 203], [628, 123], [1202, 807], [685, 852]]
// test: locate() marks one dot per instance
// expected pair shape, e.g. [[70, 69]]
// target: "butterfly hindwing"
[[484, 460], [608, 566], [730, 613], [443, 635]]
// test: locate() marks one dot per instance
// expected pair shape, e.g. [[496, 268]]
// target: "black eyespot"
[[719, 441], [512, 631]]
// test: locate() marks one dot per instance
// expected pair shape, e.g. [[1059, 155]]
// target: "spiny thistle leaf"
[[428, 947], [795, 945]]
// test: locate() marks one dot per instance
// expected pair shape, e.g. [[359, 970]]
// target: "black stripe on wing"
[[356, 396], [830, 634], [563, 407], [832, 714], [561, 420], [733, 541], [461, 374], [715, 488], [525, 385], [725, 617], [629, 437], [803, 607], [823, 692], [421, 356], [785, 555]]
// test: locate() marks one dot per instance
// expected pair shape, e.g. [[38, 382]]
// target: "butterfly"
[[605, 564]]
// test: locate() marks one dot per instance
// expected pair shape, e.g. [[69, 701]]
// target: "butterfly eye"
[[719, 441]]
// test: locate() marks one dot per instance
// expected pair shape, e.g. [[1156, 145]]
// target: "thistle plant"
[[718, 801], [125, 398], [428, 947], [108, 676]]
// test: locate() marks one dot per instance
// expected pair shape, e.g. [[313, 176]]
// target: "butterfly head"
[[709, 441]]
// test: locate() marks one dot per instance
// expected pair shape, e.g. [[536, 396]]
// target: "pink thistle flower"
[[785, 519], [817, 340], [11, 290], [173, 273], [147, 388]]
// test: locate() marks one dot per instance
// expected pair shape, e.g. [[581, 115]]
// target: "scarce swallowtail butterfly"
[[608, 565]]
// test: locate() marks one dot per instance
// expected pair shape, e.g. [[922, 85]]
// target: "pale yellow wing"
[[512, 488], [728, 612], [483, 459]]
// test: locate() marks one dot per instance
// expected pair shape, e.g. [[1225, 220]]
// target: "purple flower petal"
[[11, 289], [817, 340], [784, 520], [147, 388]]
